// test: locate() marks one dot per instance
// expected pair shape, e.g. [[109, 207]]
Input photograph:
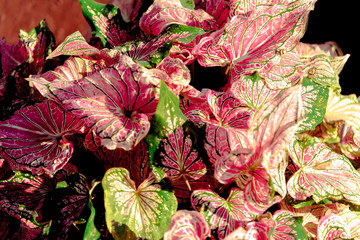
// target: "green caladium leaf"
[[321, 173], [187, 33], [189, 4], [146, 210], [168, 117], [314, 101]]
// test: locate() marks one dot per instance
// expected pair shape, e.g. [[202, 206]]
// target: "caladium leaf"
[[68, 205], [129, 8], [35, 138], [107, 23], [178, 157], [252, 91], [320, 172], [11, 56], [219, 9], [325, 70], [106, 104], [168, 117], [345, 108], [145, 209], [314, 99], [74, 45], [287, 226], [162, 14], [187, 224], [331, 49], [253, 44], [135, 160], [333, 226], [224, 216]]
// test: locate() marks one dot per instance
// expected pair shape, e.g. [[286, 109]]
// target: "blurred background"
[[332, 20]]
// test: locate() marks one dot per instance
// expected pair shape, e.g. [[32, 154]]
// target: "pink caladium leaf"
[[120, 117], [129, 8], [287, 226], [223, 216], [11, 56], [146, 210], [320, 171], [135, 160], [241, 44], [178, 156], [333, 226], [252, 91], [219, 9], [162, 14], [187, 224], [35, 138], [74, 45]]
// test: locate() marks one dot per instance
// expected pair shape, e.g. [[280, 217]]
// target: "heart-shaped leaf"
[[145, 209], [187, 224], [224, 216], [320, 173], [115, 102], [35, 138]]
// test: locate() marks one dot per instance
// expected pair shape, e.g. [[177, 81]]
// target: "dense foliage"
[[179, 119]]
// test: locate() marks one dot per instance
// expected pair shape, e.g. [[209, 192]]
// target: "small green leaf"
[[189, 4], [186, 33], [146, 210], [314, 102], [304, 204], [91, 233], [168, 117], [62, 184]]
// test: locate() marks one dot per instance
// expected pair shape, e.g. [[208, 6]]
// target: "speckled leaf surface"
[[320, 173], [223, 216], [74, 45], [35, 138], [116, 102], [146, 209], [186, 224]]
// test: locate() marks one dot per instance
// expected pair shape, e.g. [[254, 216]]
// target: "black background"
[[338, 21]]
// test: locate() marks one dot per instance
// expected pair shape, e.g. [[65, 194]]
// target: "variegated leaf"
[[186, 224], [35, 138], [168, 117], [107, 23], [287, 226], [74, 45], [129, 8], [11, 56], [252, 91], [251, 44], [325, 70], [135, 160], [345, 108], [314, 99], [116, 102], [223, 216], [320, 173], [219, 9], [146, 209], [162, 14], [333, 226], [331, 49], [178, 156]]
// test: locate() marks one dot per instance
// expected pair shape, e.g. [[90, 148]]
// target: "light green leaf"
[[189, 4], [91, 233], [314, 101], [168, 117], [146, 210], [186, 33]]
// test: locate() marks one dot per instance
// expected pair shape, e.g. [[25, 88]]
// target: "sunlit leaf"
[[116, 102], [186, 224], [333, 226], [252, 91], [36, 138], [162, 14], [145, 209], [223, 216], [320, 173], [314, 99], [74, 45]]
